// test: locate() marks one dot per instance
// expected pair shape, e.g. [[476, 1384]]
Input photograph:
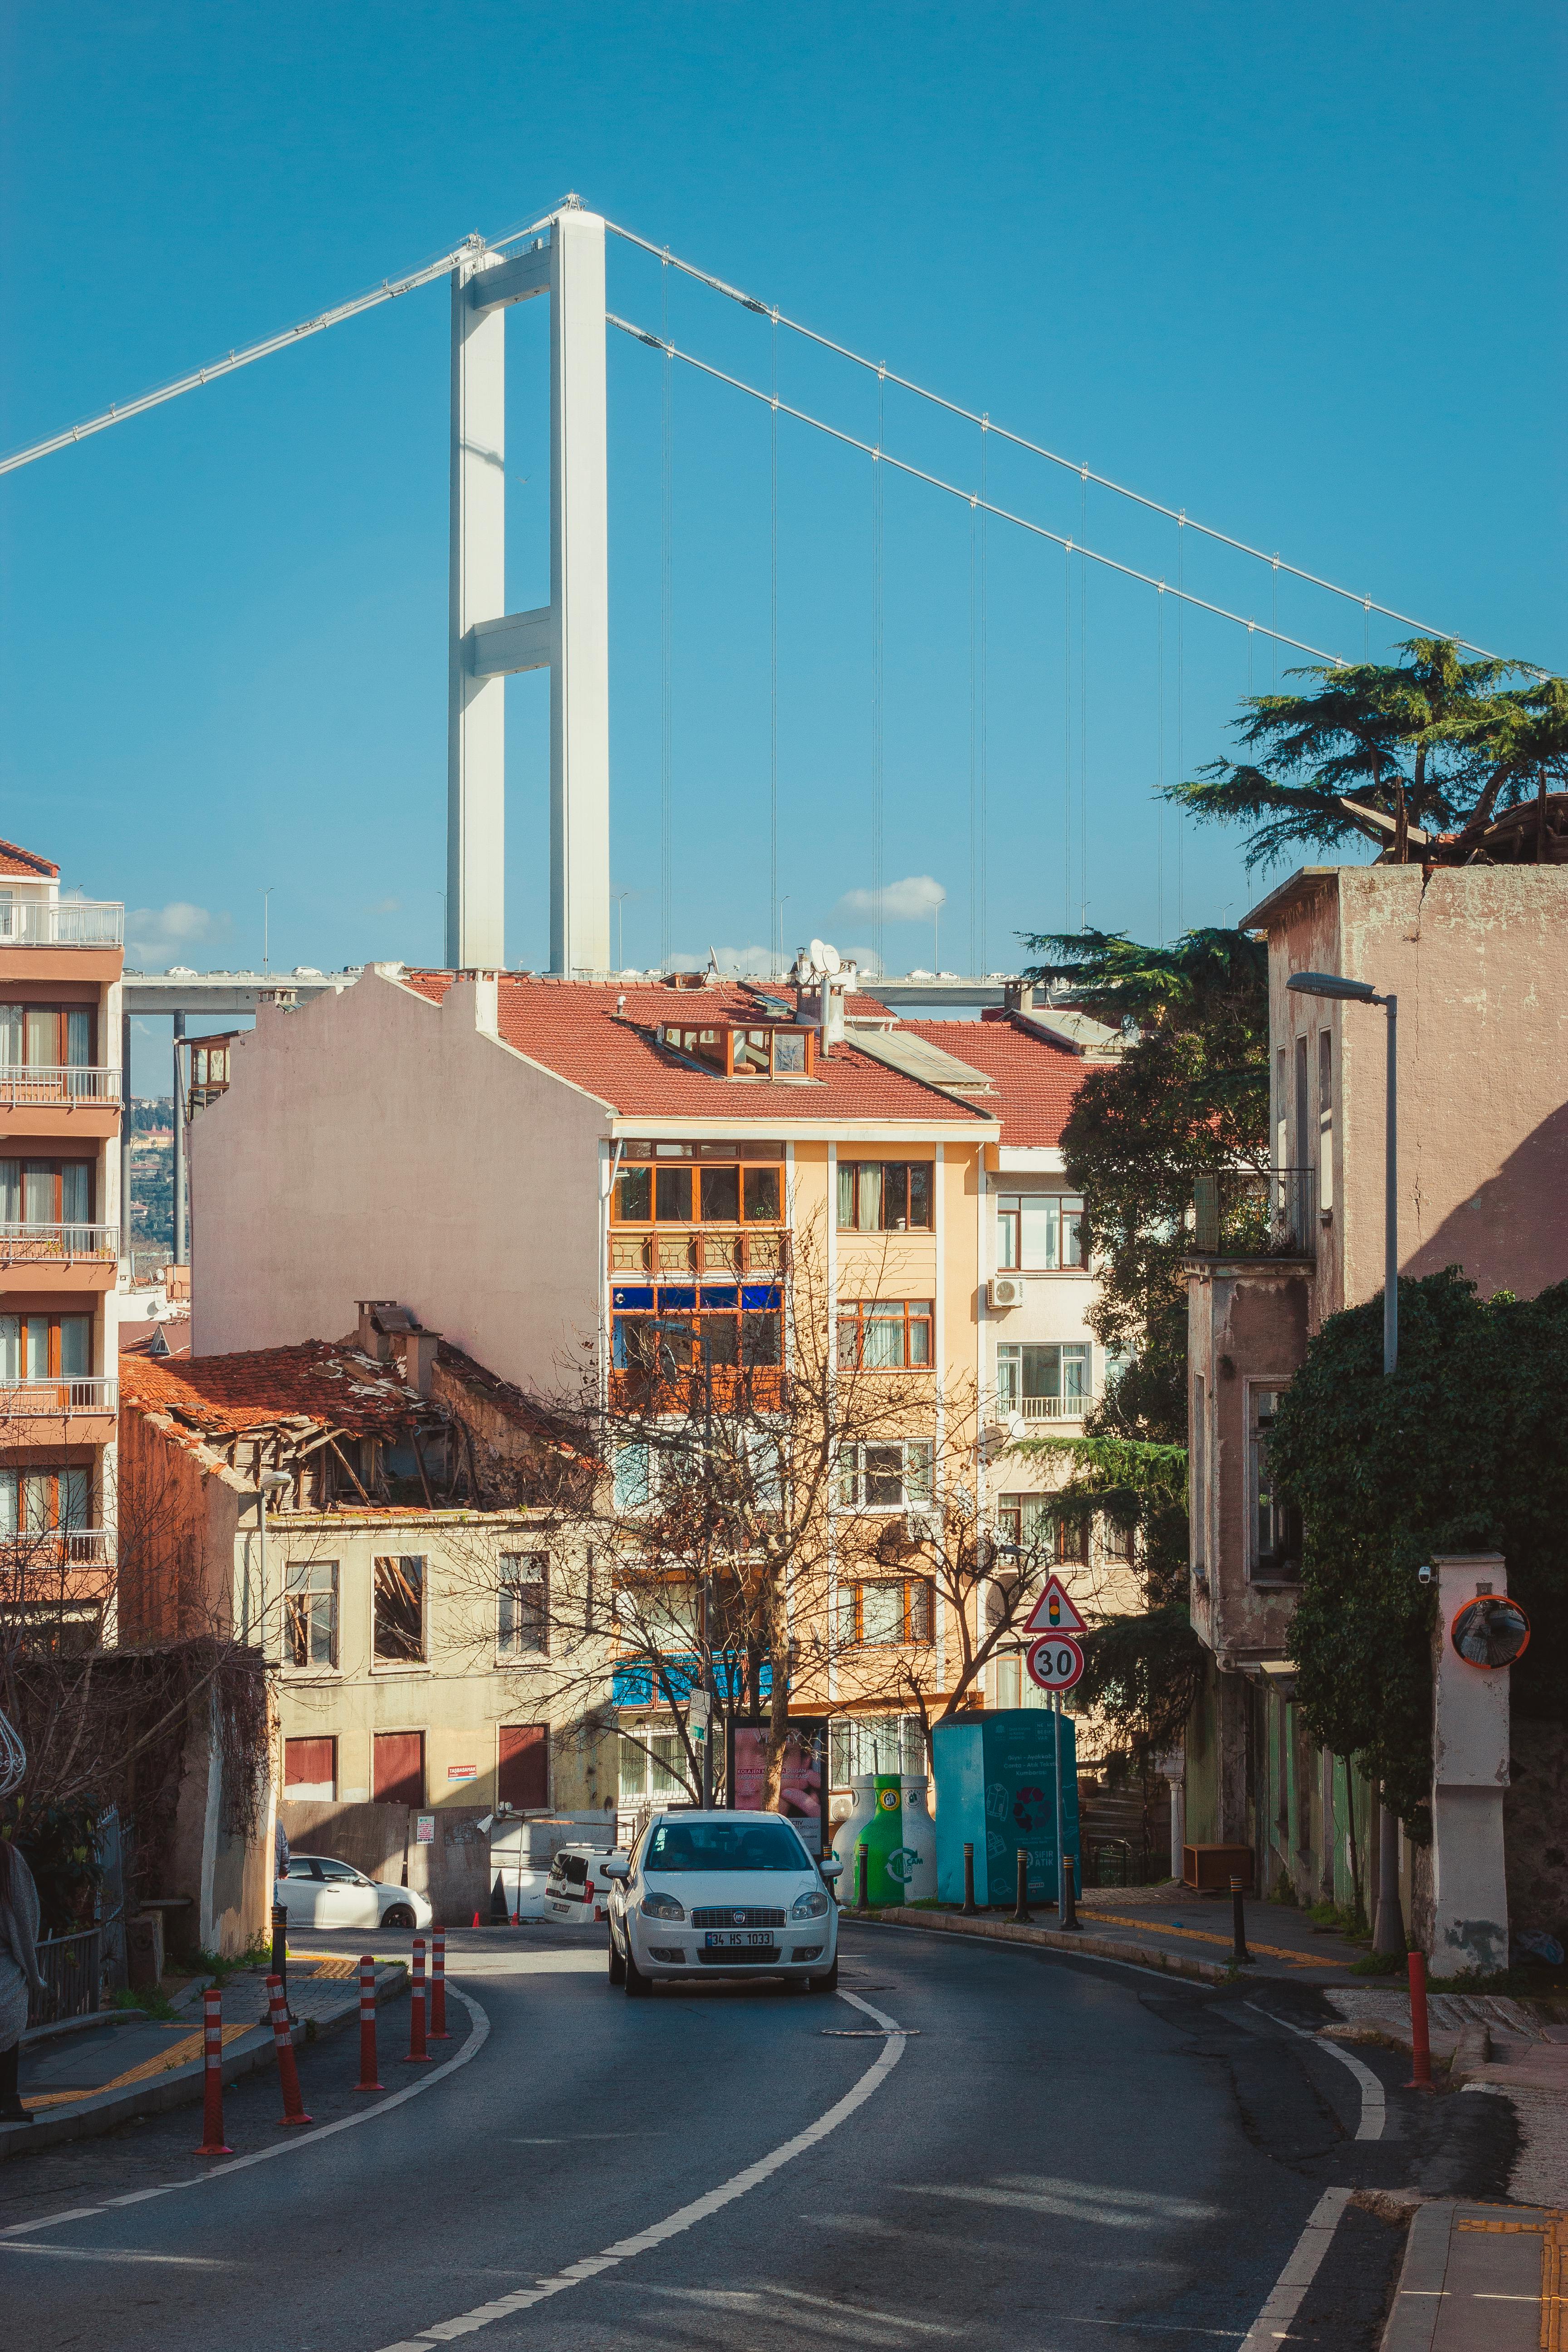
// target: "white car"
[[578, 1886], [720, 1894], [318, 1891]]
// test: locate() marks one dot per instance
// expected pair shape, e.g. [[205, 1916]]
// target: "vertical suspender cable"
[[1181, 715], [1083, 706], [876, 478], [776, 942], [1066, 736], [983, 962], [667, 600], [973, 748], [1273, 637], [1160, 777]]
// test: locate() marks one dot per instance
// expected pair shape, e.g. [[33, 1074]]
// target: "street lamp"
[[1388, 1933]]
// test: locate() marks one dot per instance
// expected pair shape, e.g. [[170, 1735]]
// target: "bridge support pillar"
[[476, 705]]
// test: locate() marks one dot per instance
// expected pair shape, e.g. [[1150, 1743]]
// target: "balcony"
[[65, 1395], [61, 923], [58, 1246], [1256, 1212], [681, 1251], [1051, 1408], [53, 1548], [36, 1087]]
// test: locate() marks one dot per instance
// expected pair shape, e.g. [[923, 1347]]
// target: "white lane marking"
[[1374, 2105], [1272, 2324], [873, 2325], [1046, 1952], [478, 2035], [504, 2306], [1077, 2202], [113, 2254]]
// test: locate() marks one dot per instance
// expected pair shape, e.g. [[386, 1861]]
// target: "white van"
[[577, 1889]]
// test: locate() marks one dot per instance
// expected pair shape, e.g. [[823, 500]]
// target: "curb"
[[182, 2086], [1050, 1939]]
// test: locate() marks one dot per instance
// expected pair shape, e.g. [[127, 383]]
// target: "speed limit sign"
[[1055, 1661]]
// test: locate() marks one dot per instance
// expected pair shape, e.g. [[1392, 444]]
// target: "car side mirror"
[[618, 1868], [831, 1870]]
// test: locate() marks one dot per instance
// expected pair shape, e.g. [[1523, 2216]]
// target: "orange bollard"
[[288, 2073], [367, 2081], [438, 1986], [1420, 2037], [213, 2141], [417, 2053]]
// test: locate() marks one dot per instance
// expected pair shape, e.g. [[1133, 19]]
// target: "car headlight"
[[661, 1907], [810, 1907]]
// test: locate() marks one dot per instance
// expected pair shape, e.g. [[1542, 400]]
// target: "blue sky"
[[1296, 273]]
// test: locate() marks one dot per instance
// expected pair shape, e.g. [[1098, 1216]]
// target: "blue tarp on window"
[[636, 1683]]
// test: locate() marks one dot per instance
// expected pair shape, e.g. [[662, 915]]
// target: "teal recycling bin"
[[996, 1790]]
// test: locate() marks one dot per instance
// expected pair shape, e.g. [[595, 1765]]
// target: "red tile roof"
[[223, 1396], [573, 1027], [1035, 1082], [23, 862]]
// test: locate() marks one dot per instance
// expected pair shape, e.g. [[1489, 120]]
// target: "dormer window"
[[770, 1052]]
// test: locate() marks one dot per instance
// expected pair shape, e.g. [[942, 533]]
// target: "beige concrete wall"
[[1242, 1328], [1475, 955], [376, 1145]]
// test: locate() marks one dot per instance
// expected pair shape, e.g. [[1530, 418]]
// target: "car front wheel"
[[400, 1916], [637, 1985], [827, 1983], [617, 1966]]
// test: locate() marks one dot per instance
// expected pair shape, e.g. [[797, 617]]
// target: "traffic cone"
[[288, 2073], [367, 2081], [213, 2141], [476, 1918]]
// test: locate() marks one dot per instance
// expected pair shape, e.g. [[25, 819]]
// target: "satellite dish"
[[818, 955], [831, 960]]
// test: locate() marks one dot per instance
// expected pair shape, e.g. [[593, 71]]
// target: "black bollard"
[[1023, 1914], [1240, 1958], [1069, 1920], [971, 1908], [280, 1948], [860, 1904]]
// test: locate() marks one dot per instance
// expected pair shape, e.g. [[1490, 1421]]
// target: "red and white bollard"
[[213, 2141], [288, 2073], [417, 2053], [438, 1986], [367, 2081]]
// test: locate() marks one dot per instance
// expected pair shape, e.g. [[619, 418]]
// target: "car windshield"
[[724, 1846]]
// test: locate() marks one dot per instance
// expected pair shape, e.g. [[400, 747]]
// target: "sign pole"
[[1061, 1880]]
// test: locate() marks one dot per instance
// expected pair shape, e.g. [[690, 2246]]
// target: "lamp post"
[[1388, 1931]]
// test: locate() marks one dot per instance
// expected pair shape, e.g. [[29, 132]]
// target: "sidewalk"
[[79, 2084], [1160, 1927], [1481, 2278]]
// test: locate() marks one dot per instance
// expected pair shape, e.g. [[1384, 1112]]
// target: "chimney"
[[419, 1358], [1018, 996], [372, 1339]]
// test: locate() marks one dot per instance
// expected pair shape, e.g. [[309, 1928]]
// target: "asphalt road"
[[1052, 2153]]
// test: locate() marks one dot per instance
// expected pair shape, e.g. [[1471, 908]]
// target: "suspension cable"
[[667, 656], [1037, 448], [953, 489], [387, 291]]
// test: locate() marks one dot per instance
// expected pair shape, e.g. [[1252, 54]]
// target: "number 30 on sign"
[[1055, 1662]]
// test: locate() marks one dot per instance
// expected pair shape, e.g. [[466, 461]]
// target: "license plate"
[[727, 1939]]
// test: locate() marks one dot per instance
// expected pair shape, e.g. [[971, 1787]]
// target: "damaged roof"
[[228, 1396]]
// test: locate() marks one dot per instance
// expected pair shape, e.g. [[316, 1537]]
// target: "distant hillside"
[[152, 1171]]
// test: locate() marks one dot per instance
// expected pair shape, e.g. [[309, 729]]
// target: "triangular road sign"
[[1053, 1612]]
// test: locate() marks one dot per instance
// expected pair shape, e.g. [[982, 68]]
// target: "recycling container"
[[996, 1790]]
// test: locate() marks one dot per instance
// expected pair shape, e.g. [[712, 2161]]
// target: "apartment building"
[[60, 963], [1472, 954], [563, 1175]]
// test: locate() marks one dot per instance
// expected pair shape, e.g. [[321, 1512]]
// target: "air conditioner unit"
[[1004, 1290]]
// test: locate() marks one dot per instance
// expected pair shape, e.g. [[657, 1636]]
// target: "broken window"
[[399, 1637], [311, 1612], [522, 1605], [1276, 1547]]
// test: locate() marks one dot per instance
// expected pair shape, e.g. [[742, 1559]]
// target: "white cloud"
[[915, 899], [161, 933], [385, 907]]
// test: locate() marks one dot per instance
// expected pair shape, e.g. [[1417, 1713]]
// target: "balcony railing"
[[65, 1392], [1256, 1212], [55, 1548], [37, 1085], [22, 1244], [61, 922], [1052, 1408]]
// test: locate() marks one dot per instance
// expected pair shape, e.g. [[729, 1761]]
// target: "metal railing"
[[24, 1244], [1256, 1212], [36, 1084], [61, 922], [65, 1392], [1052, 1408], [70, 1968], [57, 1548]]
